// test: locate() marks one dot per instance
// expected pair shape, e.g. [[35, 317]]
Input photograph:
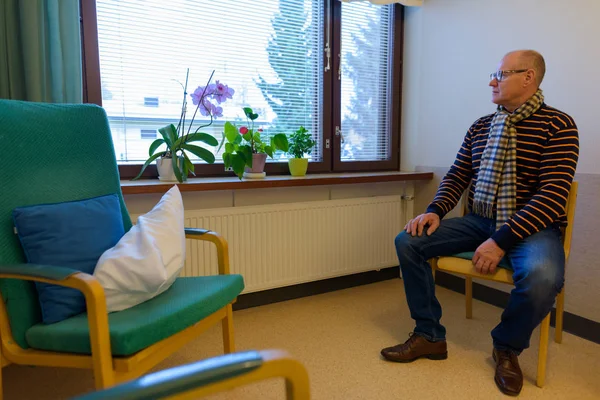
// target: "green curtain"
[[40, 51]]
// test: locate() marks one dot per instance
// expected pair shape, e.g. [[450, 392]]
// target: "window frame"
[[393, 163], [331, 116]]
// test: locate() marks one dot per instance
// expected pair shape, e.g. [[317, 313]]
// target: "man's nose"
[[493, 82]]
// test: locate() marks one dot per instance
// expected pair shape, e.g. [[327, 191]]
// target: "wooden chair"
[[207, 377], [62, 153], [461, 264]]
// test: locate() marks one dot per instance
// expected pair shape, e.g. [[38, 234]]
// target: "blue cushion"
[[73, 235]]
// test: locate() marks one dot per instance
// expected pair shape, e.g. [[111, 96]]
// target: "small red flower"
[[243, 130]]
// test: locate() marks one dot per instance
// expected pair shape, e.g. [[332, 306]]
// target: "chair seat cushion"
[[461, 264], [468, 255], [188, 301]]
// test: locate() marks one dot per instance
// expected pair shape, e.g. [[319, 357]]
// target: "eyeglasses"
[[499, 75]]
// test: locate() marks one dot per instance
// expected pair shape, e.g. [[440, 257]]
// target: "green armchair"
[[64, 152]]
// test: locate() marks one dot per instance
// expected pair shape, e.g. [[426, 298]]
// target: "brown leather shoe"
[[509, 377], [416, 347]]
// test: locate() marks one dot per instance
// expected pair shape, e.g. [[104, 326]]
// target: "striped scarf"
[[497, 177]]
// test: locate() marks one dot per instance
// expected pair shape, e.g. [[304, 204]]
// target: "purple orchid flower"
[[217, 91], [206, 107], [217, 111], [197, 94], [222, 92]]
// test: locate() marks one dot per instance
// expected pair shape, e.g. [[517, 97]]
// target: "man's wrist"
[[435, 209], [500, 249], [505, 238]]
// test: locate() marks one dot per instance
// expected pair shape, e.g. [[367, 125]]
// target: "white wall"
[[451, 47]]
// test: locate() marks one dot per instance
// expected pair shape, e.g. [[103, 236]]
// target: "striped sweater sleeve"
[[455, 181], [557, 170]]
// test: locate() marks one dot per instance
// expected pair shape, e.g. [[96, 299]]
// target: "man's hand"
[[487, 257], [415, 226]]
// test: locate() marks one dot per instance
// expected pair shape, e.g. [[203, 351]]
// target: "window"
[[367, 44], [292, 61]]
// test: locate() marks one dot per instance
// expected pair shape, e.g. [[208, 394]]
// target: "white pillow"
[[148, 258]]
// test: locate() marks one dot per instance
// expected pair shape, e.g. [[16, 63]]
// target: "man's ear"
[[529, 77]]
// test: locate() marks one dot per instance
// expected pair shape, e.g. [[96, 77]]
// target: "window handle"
[[328, 55], [338, 132]]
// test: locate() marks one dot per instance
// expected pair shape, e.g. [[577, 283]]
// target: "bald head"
[[522, 74], [531, 59]]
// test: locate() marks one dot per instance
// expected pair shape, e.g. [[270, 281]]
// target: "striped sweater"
[[547, 154]]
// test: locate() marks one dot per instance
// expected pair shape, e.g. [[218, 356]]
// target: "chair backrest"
[[568, 231], [50, 153], [570, 210]]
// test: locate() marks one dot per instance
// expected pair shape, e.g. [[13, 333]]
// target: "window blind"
[[366, 79], [268, 51]]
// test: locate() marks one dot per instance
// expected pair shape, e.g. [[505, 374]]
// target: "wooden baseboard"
[[312, 288]]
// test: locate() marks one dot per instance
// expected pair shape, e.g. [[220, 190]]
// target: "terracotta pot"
[[258, 163]]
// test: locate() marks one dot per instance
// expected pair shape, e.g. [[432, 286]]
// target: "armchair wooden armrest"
[[96, 310], [31, 271], [213, 375], [218, 240]]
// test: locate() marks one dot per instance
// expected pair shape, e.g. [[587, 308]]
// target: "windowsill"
[[275, 181]]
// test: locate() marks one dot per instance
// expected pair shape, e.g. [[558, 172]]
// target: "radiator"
[[284, 244]]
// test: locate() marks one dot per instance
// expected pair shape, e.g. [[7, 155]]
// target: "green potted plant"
[[173, 162], [300, 143], [245, 151]]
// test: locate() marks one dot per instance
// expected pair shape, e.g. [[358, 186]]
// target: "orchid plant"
[[178, 140], [241, 143]]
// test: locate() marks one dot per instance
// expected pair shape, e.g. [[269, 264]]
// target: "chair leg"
[[469, 296], [104, 375], [228, 339], [433, 263], [102, 362], [543, 351], [560, 309], [1, 367]]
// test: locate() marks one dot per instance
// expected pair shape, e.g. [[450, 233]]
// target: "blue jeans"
[[538, 264]]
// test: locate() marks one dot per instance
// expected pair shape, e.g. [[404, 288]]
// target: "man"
[[520, 163]]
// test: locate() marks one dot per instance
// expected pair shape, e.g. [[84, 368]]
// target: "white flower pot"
[[165, 169]]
